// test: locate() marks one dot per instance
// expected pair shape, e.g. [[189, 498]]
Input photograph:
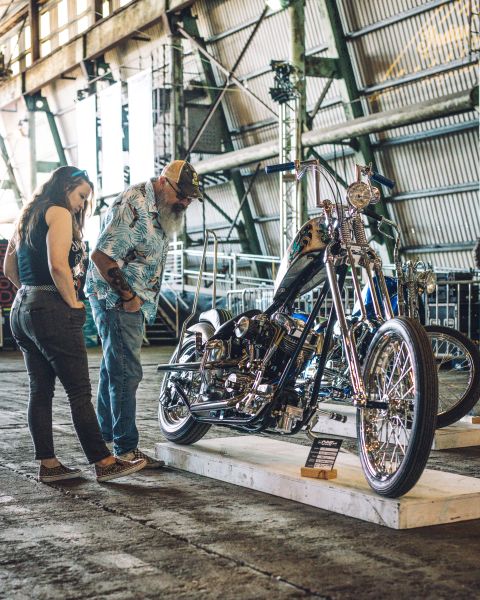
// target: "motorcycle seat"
[[216, 316]]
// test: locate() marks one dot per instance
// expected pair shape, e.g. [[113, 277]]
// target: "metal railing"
[[260, 298], [234, 270]]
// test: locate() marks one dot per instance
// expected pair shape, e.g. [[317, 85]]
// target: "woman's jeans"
[[121, 372], [49, 333]]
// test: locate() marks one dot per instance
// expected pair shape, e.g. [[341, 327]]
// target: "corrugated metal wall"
[[402, 51], [409, 51], [432, 49]]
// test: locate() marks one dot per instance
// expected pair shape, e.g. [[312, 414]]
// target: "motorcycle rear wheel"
[[458, 366], [396, 437], [176, 422]]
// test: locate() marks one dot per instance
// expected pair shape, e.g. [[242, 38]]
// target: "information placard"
[[323, 453]]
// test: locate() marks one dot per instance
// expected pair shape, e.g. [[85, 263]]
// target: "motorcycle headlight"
[[430, 282], [359, 195], [427, 281]]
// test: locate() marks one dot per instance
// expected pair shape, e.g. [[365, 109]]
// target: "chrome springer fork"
[[357, 251]]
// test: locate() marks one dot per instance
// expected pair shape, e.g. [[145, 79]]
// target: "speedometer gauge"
[[359, 194]]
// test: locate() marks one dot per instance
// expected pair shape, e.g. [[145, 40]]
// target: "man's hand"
[[77, 305], [133, 305]]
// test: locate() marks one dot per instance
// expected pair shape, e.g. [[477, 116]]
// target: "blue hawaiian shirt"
[[133, 236]]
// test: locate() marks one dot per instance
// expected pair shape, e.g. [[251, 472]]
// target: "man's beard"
[[171, 217]]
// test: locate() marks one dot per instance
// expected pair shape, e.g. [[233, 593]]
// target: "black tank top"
[[33, 260]]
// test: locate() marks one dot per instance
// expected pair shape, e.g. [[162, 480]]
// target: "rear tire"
[[176, 422], [395, 438], [457, 361]]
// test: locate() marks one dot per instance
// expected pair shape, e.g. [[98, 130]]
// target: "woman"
[[43, 260]]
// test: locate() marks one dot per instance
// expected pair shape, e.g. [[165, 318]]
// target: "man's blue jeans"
[[120, 373]]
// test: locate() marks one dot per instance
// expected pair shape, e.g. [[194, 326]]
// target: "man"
[[123, 285]]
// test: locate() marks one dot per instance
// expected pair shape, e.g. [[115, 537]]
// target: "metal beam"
[[177, 99], [222, 68], [38, 103], [244, 199], [450, 247], [270, 122], [222, 92], [321, 66], [56, 138], [11, 172], [241, 27], [97, 10], [432, 192], [401, 16], [420, 136], [218, 208], [419, 75], [104, 35], [328, 167], [15, 13], [264, 70], [249, 243], [34, 29], [406, 115]]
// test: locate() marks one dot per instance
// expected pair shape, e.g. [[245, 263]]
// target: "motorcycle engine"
[[259, 350]]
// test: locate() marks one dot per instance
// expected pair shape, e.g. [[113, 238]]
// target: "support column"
[[290, 203], [34, 29], [289, 92], [177, 102], [297, 57]]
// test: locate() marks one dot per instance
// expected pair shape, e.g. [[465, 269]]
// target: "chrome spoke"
[[387, 432]]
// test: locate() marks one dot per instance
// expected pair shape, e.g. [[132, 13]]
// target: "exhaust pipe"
[[195, 366]]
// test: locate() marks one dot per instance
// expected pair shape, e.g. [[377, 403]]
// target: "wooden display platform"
[[272, 466], [459, 435]]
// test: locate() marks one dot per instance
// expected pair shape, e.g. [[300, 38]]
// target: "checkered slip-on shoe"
[[120, 468], [136, 454], [59, 473]]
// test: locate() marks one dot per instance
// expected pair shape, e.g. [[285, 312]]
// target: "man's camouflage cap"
[[184, 175]]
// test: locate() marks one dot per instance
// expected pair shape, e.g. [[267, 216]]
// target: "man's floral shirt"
[[133, 236]]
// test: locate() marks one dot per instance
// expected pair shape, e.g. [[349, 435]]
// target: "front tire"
[[458, 366], [395, 436], [176, 422]]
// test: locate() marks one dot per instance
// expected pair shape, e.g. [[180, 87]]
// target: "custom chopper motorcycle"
[[263, 371]]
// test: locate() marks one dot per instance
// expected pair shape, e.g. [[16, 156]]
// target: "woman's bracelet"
[[134, 295]]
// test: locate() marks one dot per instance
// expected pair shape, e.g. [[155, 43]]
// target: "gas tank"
[[309, 244]]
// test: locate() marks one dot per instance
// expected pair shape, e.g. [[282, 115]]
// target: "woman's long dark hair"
[[52, 193]]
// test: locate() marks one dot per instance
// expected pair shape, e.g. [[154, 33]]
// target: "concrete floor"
[[170, 534]]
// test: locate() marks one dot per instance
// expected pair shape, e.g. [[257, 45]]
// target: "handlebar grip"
[[382, 180], [281, 167], [372, 214]]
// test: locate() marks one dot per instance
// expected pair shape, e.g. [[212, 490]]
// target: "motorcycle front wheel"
[[176, 422], [458, 366], [395, 431]]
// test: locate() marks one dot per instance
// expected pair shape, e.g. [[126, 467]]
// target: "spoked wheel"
[[458, 366], [176, 422], [395, 433]]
